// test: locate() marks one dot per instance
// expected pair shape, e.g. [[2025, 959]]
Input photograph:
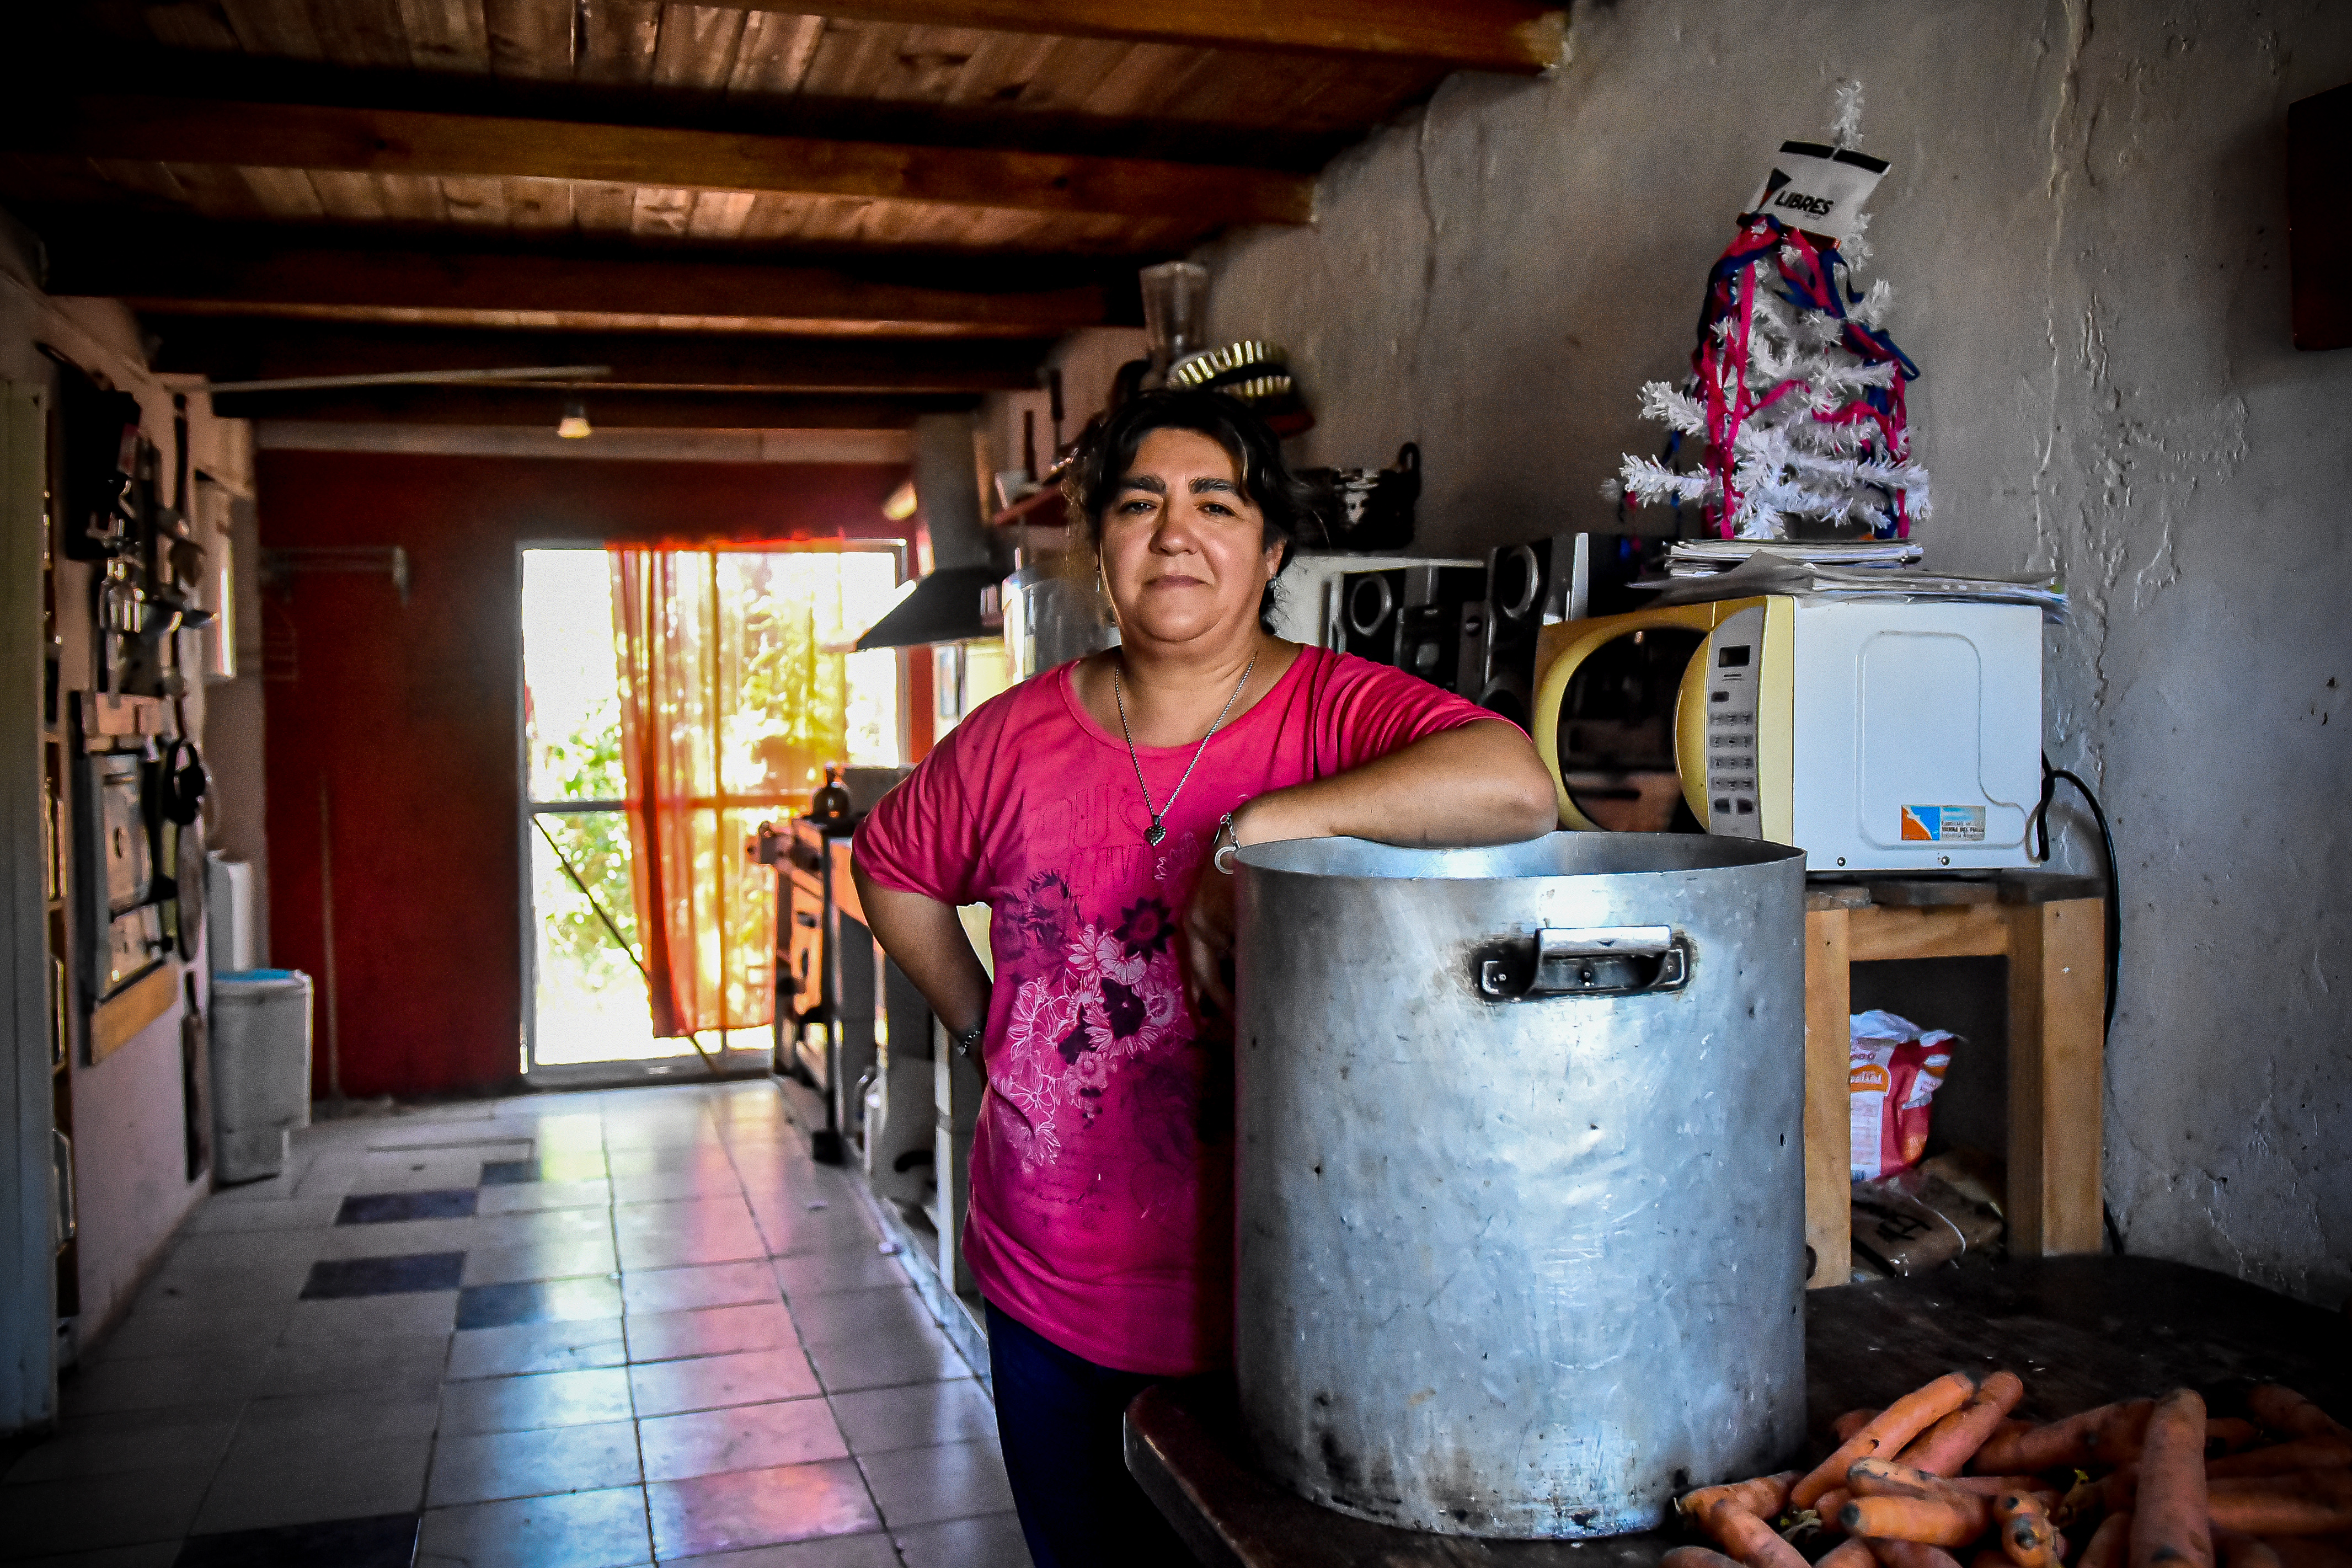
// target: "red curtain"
[[729, 713]]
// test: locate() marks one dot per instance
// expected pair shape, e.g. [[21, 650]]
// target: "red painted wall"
[[411, 718]]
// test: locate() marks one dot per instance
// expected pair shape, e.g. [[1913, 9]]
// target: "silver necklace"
[[1157, 831]]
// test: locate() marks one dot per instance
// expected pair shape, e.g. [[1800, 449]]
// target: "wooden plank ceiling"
[[750, 213]]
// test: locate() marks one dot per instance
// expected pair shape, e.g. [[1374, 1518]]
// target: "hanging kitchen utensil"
[[1369, 508]]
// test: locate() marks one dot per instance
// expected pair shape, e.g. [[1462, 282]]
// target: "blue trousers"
[[1057, 1415]]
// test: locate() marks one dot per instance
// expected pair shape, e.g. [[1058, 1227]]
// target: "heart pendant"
[[1154, 833]]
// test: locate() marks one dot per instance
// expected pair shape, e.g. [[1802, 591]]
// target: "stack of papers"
[[1772, 573], [1704, 558]]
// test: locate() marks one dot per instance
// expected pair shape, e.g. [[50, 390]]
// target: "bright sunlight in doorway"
[[585, 988]]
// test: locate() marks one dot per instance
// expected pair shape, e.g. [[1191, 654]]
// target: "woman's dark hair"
[[1107, 452]]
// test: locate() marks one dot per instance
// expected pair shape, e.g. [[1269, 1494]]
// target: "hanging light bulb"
[[574, 425]]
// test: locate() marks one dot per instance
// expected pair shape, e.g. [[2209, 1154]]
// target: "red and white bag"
[[1893, 1070]]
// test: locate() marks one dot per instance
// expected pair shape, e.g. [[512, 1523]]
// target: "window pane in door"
[[572, 706], [590, 1004]]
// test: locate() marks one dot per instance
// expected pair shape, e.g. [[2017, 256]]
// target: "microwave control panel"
[[1735, 667]]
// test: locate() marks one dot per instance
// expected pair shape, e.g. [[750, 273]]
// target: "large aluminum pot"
[[1521, 1176]]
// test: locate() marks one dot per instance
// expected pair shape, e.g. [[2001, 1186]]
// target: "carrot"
[[2304, 1552], [1852, 1421], [1911, 1554], [1992, 1486], [1749, 1539], [2316, 1502], [2024, 1531], [1953, 1519], [1885, 1478], [2230, 1434], [1990, 1557], [2119, 1491], [2256, 1513], [2283, 1458], [2238, 1550], [1695, 1557], [2123, 1486], [2104, 1433], [1951, 1442], [2281, 1409], [1848, 1555], [1885, 1433], [1829, 1504], [2169, 1522], [2107, 1543], [2329, 1483], [1763, 1496]]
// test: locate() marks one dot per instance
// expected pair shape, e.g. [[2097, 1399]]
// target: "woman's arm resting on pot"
[[1480, 783], [925, 938]]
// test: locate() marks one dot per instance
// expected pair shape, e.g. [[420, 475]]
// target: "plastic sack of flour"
[[1892, 1071]]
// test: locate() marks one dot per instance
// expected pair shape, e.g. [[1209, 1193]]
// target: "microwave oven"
[[1875, 734]]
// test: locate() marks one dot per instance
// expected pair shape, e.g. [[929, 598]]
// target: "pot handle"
[[1585, 961]]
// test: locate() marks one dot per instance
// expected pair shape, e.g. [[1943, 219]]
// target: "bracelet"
[[969, 1038], [1226, 843]]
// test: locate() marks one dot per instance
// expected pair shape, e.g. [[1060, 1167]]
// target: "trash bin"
[[261, 1069]]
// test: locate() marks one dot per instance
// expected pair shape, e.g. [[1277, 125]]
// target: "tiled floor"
[[553, 1331]]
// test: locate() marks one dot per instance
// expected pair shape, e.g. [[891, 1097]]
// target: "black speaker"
[[1370, 619], [1563, 577], [1428, 620], [1445, 643]]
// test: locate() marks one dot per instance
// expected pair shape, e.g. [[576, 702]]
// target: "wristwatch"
[[969, 1038], [1225, 844]]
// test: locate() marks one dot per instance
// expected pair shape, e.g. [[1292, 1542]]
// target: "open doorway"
[[585, 991]]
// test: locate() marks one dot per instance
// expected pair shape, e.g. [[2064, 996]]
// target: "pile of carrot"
[[2144, 1483]]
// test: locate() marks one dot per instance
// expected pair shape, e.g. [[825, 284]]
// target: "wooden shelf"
[[1027, 506], [115, 1020], [2052, 930]]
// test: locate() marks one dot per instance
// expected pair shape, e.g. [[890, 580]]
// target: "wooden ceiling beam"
[[224, 350], [222, 270], [356, 139], [541, 407], [1514, 35]]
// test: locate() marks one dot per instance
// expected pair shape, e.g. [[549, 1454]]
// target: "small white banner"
[[1818, 188]]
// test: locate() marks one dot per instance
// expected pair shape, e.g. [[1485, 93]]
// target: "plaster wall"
[[2085, 226], [130, 1182]]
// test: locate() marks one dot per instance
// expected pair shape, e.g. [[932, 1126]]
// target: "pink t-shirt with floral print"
[[1102, 1163]]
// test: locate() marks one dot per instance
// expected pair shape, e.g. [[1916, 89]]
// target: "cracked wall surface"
[[2085, 228]]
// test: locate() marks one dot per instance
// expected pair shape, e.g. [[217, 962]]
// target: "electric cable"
[[2038, 830], [2051, 778]]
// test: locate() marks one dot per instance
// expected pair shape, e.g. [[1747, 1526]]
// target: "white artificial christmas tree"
[[1794, 412]]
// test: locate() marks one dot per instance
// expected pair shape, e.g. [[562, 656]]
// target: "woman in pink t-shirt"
[[1090, 808]]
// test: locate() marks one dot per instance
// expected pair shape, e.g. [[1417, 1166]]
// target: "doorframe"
[[567, 1075], [732, 1063], [28, 1382]]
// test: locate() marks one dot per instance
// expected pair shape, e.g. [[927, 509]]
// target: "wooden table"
[[2052, 930], [2079, 1330]]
